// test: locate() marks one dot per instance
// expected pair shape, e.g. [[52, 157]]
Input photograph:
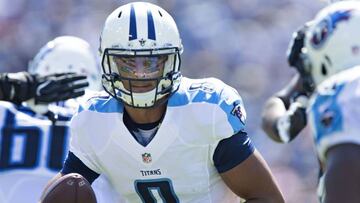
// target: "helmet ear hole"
[[323, 69]]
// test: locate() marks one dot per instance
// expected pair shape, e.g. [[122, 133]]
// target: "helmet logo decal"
[[142, 42], [326, 27], [133, 30]]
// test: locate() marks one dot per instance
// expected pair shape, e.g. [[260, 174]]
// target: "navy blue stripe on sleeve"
[[231, 151], [75, 165]]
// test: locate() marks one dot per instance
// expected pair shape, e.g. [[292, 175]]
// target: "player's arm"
[[77, 161], [284, 117], [22, 86], [342, 177], [244, 170], [73, 165], [253, 181]]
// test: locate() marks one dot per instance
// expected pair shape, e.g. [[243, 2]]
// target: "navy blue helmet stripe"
[[151, 26], [132, 29]]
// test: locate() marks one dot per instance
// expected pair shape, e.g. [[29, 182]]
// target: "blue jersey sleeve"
[[231, 151]]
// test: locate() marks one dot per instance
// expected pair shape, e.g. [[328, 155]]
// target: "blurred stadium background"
[[242, 42]]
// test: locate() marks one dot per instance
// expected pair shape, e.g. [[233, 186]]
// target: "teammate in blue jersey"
[[329, 61], [34, 136], [158, 136]]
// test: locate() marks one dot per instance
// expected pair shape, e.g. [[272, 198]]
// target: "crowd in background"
[[242, 42]]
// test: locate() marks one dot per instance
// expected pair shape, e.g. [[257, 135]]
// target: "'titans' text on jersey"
[[200, 117]]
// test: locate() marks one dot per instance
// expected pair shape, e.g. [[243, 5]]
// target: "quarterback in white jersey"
[[158, 136], [178, 163], [329, 61], [34, 138]]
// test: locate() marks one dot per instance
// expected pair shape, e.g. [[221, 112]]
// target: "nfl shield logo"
[[146, 157]]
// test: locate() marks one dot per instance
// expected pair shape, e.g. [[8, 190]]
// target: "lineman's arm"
[[342, 178], [280, 120], [253, 181], [278, 110]]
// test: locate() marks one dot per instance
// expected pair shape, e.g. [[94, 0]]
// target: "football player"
[[34, 136], [159, 136], [284, 113], [328, 63]]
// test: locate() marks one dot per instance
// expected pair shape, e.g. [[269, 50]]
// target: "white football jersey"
[[32, 151], [335, 111], [177, 165]]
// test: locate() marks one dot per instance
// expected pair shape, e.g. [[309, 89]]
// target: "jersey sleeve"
[[231, 145], [230, 116], [231, 151], [336, 117], [80, 143]]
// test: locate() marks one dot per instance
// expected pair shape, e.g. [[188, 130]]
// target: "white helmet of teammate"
[[140, 47], [333, 1], [67, 54], [332, 41]]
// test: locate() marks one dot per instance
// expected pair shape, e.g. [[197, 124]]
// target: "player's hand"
[[22, 86], [58, 87], [290, 124], [295, 46], [296, 58]]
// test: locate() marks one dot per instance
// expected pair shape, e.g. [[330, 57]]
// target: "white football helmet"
[[67, 54], [140, 47], [332, 41], [333, 1]]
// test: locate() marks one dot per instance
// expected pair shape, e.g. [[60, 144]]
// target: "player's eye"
[[126, 69]]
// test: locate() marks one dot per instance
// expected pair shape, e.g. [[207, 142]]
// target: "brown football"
[[70, 188]]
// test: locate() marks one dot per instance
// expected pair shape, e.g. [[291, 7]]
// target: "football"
[[71, 188]]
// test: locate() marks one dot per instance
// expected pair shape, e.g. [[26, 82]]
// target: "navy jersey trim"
[[231, 151], [74, 165], [134, 127]]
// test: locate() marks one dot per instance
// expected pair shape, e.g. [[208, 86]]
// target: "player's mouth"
[[142, 88]]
